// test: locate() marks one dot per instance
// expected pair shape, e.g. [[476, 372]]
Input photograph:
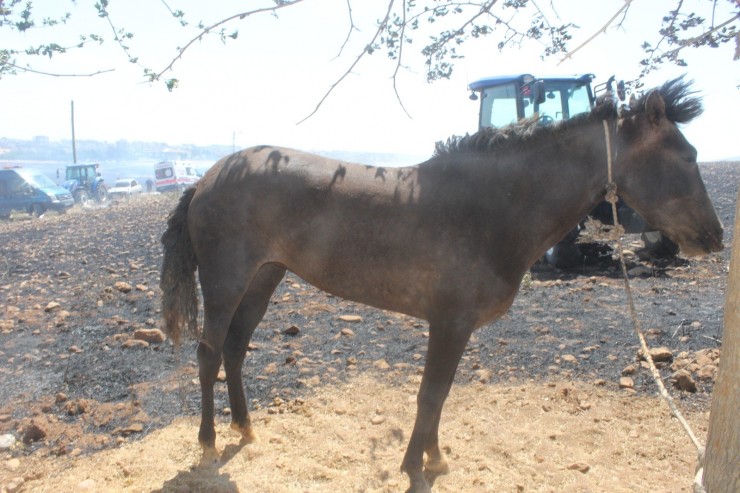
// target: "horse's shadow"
[[205, 477]]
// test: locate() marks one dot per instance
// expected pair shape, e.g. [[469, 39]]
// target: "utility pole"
[[74, 144]]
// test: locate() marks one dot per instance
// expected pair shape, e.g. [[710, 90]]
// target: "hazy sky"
[[255, 89]]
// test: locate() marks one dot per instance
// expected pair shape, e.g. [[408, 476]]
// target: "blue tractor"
[[509, 98], [85, 183]]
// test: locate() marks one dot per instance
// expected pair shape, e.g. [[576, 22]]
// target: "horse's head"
[[656, 171]]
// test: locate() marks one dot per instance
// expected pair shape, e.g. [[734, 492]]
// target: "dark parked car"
[[29, 190]]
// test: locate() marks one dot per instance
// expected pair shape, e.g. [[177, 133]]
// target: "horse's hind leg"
[[224, 285], [249, 314], [209, 361]]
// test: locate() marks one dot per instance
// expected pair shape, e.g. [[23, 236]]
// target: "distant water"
[[143, 170], [111, 171]]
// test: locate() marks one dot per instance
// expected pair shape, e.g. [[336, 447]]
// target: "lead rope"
[[611, 197]]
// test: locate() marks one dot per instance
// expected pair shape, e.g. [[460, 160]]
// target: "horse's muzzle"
[[707, 242]]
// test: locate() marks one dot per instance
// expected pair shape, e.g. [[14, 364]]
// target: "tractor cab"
[[83, 174], [85, 183], [506, 99]]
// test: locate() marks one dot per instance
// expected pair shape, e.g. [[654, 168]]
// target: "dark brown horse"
[[448, 240]]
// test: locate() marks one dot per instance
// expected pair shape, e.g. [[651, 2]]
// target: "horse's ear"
[[655, 107]]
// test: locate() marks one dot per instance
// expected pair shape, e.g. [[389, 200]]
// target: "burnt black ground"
[[75, 259]]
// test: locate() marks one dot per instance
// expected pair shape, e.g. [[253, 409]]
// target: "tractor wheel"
[[566, 253], [657, 245], [101, 194], [37, 210], [82, 197]]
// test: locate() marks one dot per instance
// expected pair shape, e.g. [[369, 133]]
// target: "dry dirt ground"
[[87, 405]]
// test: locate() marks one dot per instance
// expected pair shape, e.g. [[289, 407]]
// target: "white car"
[[125, 188]]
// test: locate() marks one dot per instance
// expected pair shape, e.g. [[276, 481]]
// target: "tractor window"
[[498, 106], [553, 106], [578, 101]]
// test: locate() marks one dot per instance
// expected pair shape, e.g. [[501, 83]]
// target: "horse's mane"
[[681, 106]]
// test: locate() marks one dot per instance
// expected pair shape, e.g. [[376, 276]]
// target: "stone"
[[626, 383], [122, 286], [292, 331], [33, 433], [314, 381], [134, 343], [377, 419], [707, 373], [347, 332], [381, 364], [483, 375], [629, 370], [705, 357], [569, 358], [350, 318], [682, 380], [52, 306], [152, 336], [580, 467], [7, 442], [75, 408], [87, 485], [128, 430], [640, 271], [661, 354]]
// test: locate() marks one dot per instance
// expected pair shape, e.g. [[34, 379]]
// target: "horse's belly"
[[395, 290]]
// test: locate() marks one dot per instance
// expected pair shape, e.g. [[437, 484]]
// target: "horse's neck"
[[572, 159], [553, 182]]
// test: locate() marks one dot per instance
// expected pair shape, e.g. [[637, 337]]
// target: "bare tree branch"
[[603, 29], [352, 28], [208, 29], [53, 74], [398, 62], [366, 50], [117, 34]]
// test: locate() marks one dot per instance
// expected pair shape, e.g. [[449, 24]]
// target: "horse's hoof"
[[438, 466], [209, 458], [247, 433]]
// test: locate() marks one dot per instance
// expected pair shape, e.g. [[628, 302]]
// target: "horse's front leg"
[[209, 362], [446, 345]]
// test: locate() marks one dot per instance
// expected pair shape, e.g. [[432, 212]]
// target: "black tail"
[[179, 290]]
